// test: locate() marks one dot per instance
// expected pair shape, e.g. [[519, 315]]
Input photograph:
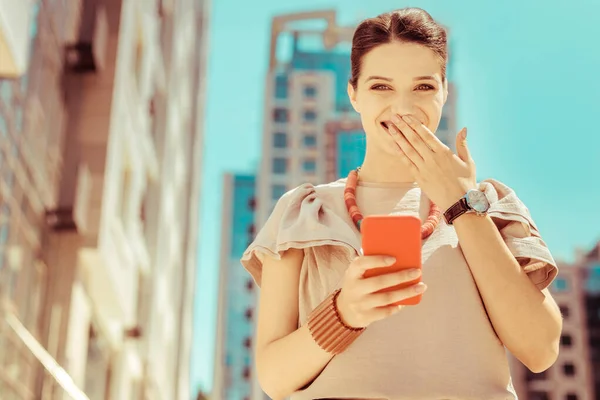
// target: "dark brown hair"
[[407, 25]]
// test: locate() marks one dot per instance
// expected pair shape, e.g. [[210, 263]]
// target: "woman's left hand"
[[442, 175]]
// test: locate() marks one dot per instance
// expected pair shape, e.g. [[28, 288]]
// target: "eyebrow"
[[417, 78]]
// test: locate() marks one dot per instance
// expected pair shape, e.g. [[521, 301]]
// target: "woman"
[[323, 331]]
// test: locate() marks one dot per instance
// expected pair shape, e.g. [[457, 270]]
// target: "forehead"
[[399, 61]]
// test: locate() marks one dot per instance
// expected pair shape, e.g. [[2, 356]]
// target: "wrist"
[[474, 201], [342, 311], [454, 195], [449, 201], [327, 328]]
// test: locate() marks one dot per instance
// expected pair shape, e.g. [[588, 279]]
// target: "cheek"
[[433, 109], [370, 109]]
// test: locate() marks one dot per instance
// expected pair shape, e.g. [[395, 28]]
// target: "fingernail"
[[407, 118], [390, 260], [420, 288], [465, 133], [362, 253], [414, 273], [395, 118]]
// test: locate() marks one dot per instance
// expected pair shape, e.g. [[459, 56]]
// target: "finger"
[[462, 150], [390, 141], [413, 138], [387, 298], [425, 134], [364, 263], [380, 313], [412, 156], [376, 283]]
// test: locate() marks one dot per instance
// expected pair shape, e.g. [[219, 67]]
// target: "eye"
[[380, 87], [425, 87]]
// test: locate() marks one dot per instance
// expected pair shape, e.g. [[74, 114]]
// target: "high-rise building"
[[576, 373], [237, 293], [100, 146], [306, 105]]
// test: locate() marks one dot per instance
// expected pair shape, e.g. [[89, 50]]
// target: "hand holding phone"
[[387, 276]]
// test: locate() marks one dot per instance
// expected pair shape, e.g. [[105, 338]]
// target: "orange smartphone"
[[398, 236]]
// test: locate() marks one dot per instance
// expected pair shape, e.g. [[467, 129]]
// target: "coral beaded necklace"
[[427, 228]]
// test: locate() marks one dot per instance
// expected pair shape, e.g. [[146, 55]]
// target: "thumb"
[[462, 149]]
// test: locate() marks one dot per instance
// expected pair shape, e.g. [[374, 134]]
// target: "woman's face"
[[398, 78]]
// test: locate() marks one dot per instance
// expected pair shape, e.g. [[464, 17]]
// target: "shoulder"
[[308, 198], [304, 217]]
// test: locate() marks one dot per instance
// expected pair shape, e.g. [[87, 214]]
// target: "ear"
[[352, 96]]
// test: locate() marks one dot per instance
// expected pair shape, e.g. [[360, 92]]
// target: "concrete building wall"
[[115, 169]]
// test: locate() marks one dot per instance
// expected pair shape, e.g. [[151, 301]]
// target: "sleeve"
[[520, 233], [299, 220]]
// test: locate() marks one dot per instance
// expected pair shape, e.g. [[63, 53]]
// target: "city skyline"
[[510, 128]]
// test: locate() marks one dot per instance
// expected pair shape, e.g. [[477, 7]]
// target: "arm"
[[527, 320], [287, 357]]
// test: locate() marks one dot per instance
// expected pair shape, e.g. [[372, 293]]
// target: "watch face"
[[477, 201]]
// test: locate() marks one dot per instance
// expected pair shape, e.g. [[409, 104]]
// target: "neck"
[[381, 167]]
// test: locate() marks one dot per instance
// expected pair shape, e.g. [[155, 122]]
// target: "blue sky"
[[527, 74]]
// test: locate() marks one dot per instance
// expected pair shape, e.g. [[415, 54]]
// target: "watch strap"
[[456, 210]]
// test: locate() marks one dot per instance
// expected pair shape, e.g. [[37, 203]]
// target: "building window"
[[281, 87], [566, 340], [281, 115], [246, 373], [277, 191], [252, 203], [560, 285], [310, 141], [310, 91], [309, 166], [310, 115], [280, 165], [280, 140], [569, 369], [537, 395], [443, 123], [571, 396], [564, 310]]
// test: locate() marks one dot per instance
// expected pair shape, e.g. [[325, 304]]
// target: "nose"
[[402, 105]]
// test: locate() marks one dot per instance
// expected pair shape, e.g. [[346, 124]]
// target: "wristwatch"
[[475, 201]]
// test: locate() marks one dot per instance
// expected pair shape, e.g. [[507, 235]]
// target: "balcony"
[[15, 21]]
